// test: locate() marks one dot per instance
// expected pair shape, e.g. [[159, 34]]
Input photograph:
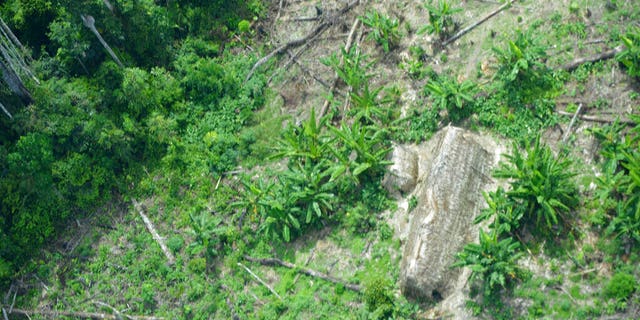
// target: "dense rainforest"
[[180, 159]]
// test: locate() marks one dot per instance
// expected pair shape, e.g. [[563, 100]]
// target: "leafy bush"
[[630, 56], [522, 73], [493, 262], [379, 297], [448, 94], [541, 183], [440, 18], [620, 286], [618, 202], [385, 30]]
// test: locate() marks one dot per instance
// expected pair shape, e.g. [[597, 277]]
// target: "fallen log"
[[309, 272], [597, 119], [255, 276], [79, 315], [298, 42], [477, 23], [154, 233], [595, 58]]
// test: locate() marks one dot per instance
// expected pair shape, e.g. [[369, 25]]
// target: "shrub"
[[630, 56], [379, 297], [541, 183], [522, 73], [244, 26], [384, 29], [620, 287], [440, 19], [493, 262], [451, 95]]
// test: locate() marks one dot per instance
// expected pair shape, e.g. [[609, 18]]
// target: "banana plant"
[[451, 95], [630, 56], [493, 262], [367, 144], [385, 30], [304, 143], [352, 67], [523, 74], [542, 183], [440, 18]]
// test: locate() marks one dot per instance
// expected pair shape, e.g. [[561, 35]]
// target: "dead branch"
[[260, 280], [154, 233], [279, 9], [5, 111], [595, 58], [309, 272], [320, 28], [334, 84], [477, 23], [293, 58], [79, 314], [573, 120], [597, 119]]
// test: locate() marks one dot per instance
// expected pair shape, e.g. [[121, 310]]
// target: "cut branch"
[[597, 119], [154, 233], [260, 280], [79, 314], [298, 42], [477, 23], [573, 120], [309, 272], [595, 58]]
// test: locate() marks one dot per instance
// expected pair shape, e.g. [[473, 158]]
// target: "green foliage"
[[618, 203], [244, 26], [384, 29], [493, 262], [630, 56], [450, 95], [413, 203], [542, 184], [440, 18], [175, 243], [620, 286], [323, 165], [522, 74], [506, 212], [206, 231], [353, 68], [418, 125], [379, 297]]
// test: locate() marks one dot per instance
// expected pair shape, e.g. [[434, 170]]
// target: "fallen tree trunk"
[[309, 272], [298, 42], [597, 119], [595, 58], [477, 23], [79, 315], [154, 233]]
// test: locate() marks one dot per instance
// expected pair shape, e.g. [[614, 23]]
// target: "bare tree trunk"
[[90, 23], [15, 83]]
